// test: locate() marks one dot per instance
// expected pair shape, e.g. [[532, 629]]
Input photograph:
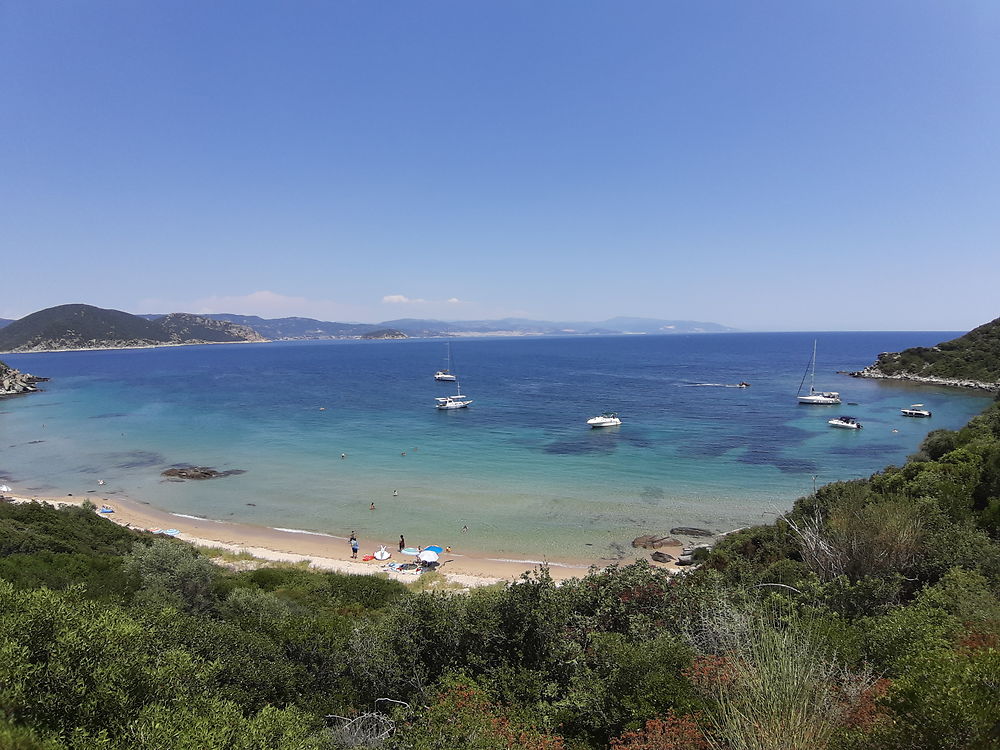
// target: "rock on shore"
[[14, 381], [876, 373]]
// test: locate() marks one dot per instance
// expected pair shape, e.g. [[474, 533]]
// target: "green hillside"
[[87, 327], [974, 356]]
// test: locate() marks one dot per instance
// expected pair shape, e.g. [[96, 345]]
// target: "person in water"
[[372, 506]]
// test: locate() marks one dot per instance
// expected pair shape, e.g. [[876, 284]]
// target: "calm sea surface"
[[520, 468]]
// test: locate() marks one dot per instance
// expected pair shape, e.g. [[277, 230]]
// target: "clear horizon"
[[774, 167]]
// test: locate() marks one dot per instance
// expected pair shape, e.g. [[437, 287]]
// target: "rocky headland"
[[14, 381], [970, 361], [68, 327]]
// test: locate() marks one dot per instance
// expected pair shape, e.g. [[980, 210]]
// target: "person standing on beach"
[[354, 546], [402, 542]]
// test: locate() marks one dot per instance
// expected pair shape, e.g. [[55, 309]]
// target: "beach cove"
[[519, 470]]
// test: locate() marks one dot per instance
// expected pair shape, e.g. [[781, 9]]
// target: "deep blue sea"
[[520, 468]]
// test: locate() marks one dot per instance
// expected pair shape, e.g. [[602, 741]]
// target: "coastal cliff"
[[970, 361], [68, 327], [14, 381]]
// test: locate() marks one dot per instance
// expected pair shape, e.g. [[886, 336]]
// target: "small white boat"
[[847, 423], [814, 396], [458, 401], [607, 419], [446, 374], [915, 410]]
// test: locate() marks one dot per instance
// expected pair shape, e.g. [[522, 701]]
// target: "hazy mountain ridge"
[[309, 328], [971, 360], [77, 326]]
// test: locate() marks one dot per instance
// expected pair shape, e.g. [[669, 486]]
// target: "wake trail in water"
[[708, 385]]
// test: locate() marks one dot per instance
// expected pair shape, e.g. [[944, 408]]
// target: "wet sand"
[[466, 568]]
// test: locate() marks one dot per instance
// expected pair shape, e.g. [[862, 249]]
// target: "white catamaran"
[[814, 396]]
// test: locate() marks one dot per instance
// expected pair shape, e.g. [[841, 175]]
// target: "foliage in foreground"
[[867, 618]]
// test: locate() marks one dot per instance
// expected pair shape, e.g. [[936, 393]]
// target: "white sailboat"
[[814, 396], [458, 401], [446, 374]]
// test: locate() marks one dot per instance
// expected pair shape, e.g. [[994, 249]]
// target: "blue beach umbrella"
[[435, 548]]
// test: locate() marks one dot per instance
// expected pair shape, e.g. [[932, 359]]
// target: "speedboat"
[[607, 419], [915, 410], [848, 423]]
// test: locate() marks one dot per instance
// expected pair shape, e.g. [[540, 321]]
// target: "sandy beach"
[[467, 569]]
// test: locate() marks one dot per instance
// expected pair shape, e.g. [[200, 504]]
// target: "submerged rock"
[[199, 472], [691, 531]]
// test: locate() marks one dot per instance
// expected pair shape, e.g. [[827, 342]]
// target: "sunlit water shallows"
[[520, 468]]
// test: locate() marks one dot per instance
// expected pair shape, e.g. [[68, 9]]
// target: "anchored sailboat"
[[446, 374], [814, 396]]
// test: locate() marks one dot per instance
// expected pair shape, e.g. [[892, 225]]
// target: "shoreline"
[[467, 569], [872, 373]]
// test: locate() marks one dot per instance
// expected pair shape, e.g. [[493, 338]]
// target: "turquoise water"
[[520, 468]]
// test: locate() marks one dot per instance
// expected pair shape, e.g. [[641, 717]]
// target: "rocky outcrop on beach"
[[970, 361], [181, 473], [654, 541], [14, 381], [87, 327]]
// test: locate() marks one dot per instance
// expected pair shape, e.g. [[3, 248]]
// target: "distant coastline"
[[123, 348]]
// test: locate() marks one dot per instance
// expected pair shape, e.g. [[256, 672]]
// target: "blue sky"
[[765, 165]]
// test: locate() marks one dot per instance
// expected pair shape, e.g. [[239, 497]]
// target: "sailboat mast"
[[812, 381]]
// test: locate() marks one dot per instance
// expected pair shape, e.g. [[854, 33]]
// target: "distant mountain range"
[[5, 322], [308, 328], [88, 327]]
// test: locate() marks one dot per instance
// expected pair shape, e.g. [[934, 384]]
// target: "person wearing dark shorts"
[[354, 546]]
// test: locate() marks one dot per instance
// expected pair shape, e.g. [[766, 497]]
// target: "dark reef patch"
[[136, 459]]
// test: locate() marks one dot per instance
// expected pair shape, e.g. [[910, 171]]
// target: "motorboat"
[[847, 423], [915, 410], [814, 396], [446, 374], [458, 401], [607, 419]]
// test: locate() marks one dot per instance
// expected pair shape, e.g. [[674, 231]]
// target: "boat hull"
[[915, 413], [454, 404], [816, 399], [844, 425], [599, 422], [444, 377]]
